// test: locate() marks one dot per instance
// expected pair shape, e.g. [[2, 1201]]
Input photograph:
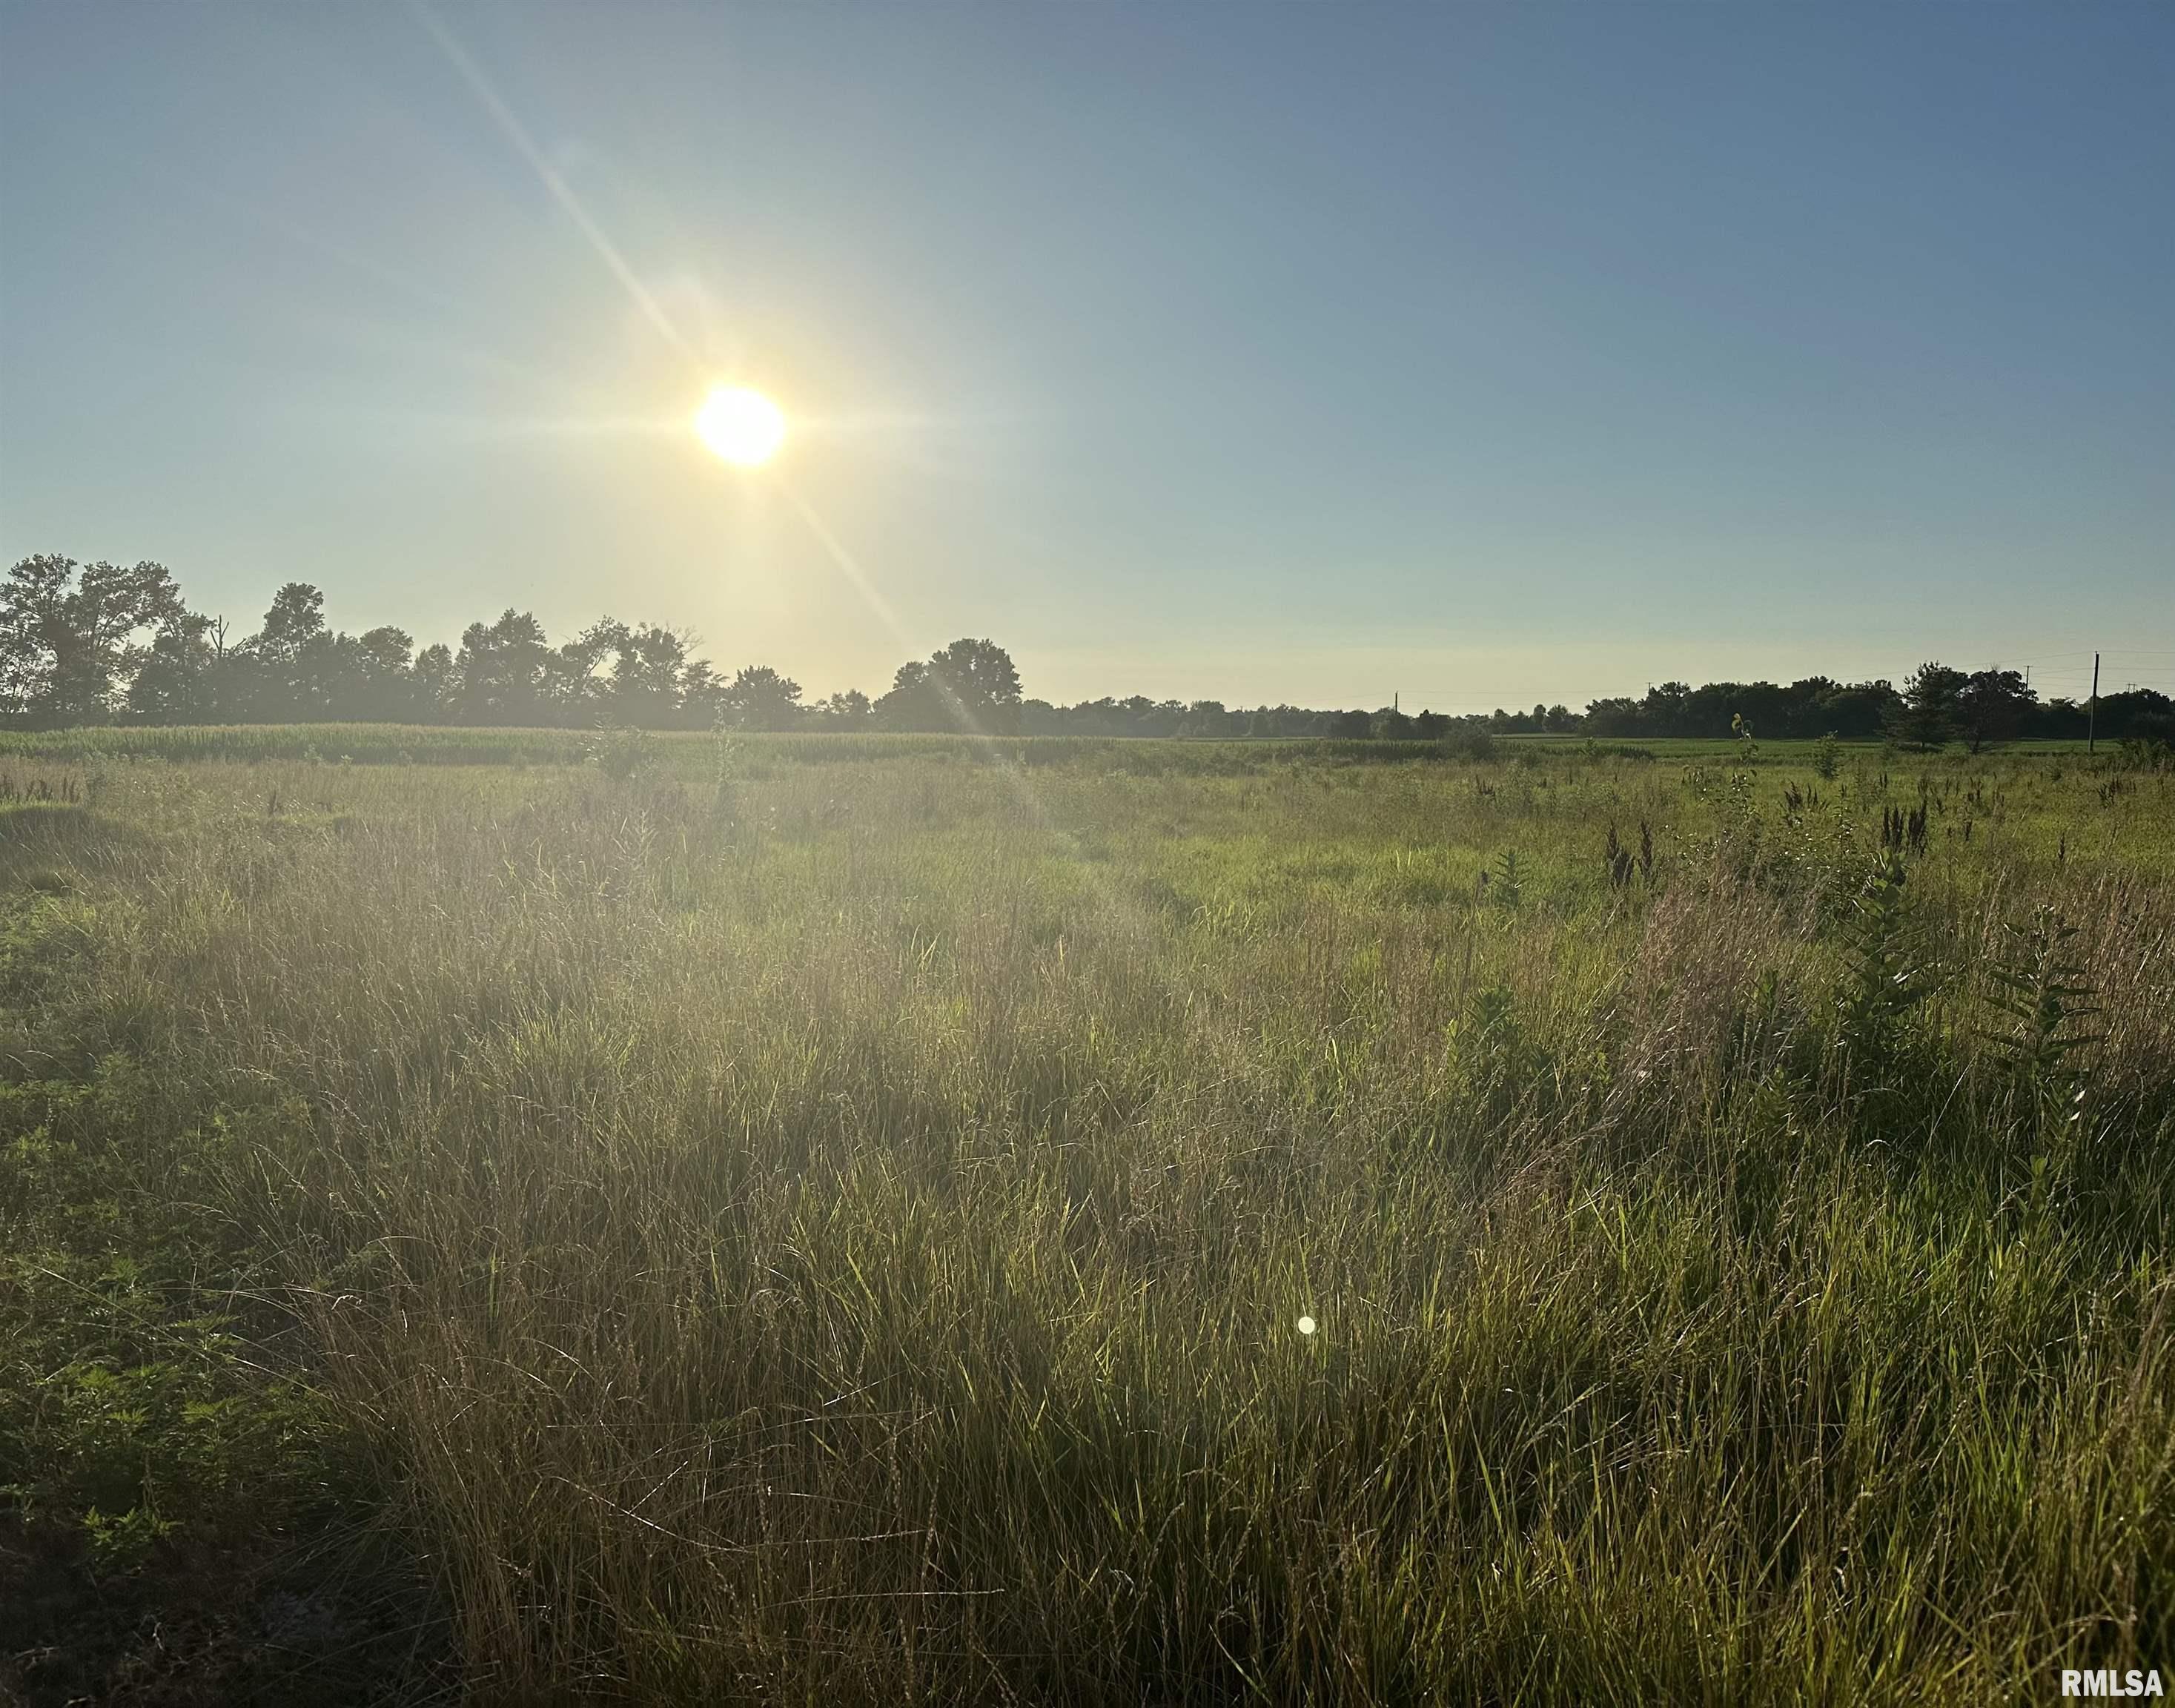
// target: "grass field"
[[830, 1219]]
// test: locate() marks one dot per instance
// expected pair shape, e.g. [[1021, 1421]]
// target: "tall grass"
[[840, 1230]]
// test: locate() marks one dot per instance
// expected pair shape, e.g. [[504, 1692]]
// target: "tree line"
[[1937, 704], [101, 643]]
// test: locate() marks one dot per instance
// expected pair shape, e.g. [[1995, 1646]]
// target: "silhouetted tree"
[[970, 685], [177, 681], [501, 673], [648, 682], [849, 710], [978, 681], [73, 636], [433, 682], [762, 699], [1927, 716], [1993, 706]]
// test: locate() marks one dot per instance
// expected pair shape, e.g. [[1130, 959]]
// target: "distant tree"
[[1665, 710], [1208, 718], [384, 658], [1623, 716], [912, 702], [431, 681], [762, 699], [503, 673], [1994, 706], [980, 682], [390, 651], [1390, 724], [701, 696], [72, 636], [287, 671], [1926, 716], [295, 623], [849, 710], [178, 681], [2144, 714], [649, 681], [970, 685]]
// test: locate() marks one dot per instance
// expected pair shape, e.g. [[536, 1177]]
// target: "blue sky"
[[1486, 355]]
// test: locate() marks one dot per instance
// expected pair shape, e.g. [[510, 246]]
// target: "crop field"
[[514, 1216]]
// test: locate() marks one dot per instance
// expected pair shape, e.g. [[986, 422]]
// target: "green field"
[[517, 1217]]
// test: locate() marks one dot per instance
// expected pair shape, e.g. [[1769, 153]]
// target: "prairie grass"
[[808, 1222]]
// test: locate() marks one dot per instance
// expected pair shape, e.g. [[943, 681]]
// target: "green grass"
[[827, 1219]]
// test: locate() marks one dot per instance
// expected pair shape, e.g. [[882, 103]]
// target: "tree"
[[433, 681], [762, 699], [178, 681], [71, 636], [295, 623], [502, 673], [1927, 717], [649, 676], [381, 686], [1993, 706], [288, 667], [847, 711], [979, 684], [970, 685]]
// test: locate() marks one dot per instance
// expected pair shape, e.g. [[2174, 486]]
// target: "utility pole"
[[2092, 717]]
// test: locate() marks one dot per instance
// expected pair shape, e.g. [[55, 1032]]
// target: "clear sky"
[[1483, 353]]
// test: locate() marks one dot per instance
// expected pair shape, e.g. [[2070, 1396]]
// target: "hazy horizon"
[[1483, 357]]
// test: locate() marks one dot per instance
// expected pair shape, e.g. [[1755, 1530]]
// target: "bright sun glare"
[[742, 426]]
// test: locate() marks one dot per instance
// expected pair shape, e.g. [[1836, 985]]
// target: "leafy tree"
[[649, 676], [291, 658], [703, 696], [762, 699], [431, 681], [970, 685], [502, 673], [378, 679], [1927, 716], [913, 702], [72, 636], [1994, 706], [979, 684], [849, 710], [178, 681], [292, 626]]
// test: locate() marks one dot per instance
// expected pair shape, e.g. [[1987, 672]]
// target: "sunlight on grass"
[[763, 1220]]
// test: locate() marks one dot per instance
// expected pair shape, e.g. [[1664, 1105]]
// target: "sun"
[[742, 426]]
